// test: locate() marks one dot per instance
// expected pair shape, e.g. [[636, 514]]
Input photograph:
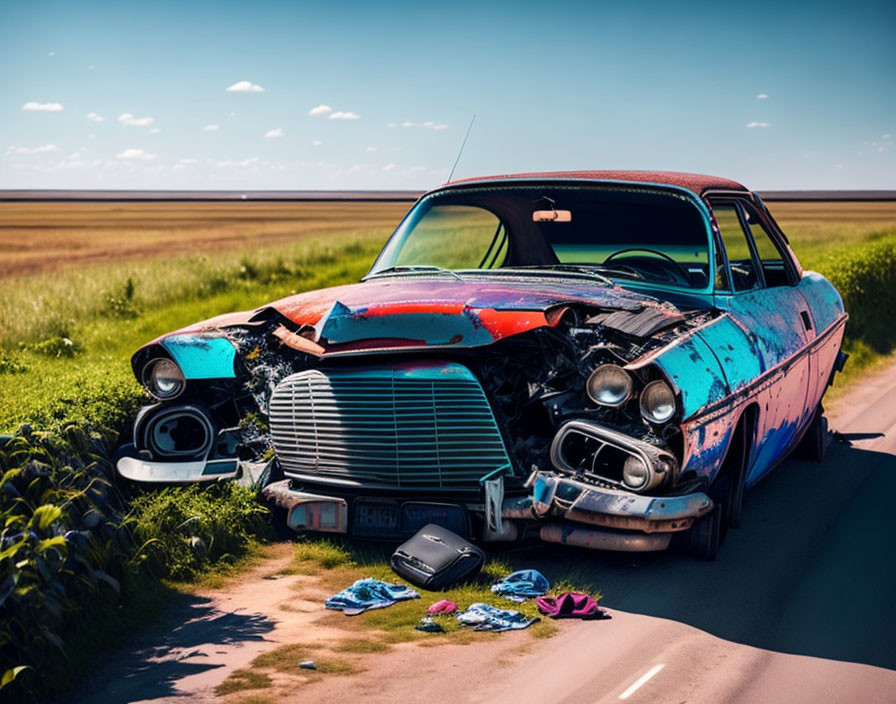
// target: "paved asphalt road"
[[799, 607]]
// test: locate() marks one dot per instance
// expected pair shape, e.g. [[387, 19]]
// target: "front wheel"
[[703, 539]]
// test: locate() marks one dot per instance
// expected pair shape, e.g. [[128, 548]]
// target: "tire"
[[814, 444], [705, 537], [730, 487]]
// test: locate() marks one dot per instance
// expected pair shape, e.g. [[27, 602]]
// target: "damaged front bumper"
[[621, 520], [580, 502], [142, 470]]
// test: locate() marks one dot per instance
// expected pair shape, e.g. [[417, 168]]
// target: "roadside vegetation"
[[84, 557]]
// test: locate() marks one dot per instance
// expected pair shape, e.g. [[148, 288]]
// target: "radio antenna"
[[461, 148]]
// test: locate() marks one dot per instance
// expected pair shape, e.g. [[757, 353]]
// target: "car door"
[[759, 290]]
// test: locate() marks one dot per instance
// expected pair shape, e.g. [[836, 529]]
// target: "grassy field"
[[46, 237]]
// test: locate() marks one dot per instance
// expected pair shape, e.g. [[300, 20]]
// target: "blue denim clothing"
[[522, 585], [483, 617], [366, 594]]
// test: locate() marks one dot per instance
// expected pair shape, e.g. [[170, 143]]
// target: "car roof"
[[698, 183]]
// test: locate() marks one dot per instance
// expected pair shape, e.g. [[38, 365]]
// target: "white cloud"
[[751, 125], [429, 124], [76, 155], [316, 143], [278, 132], [211, 128], [252, 161], [344, 116], [354, 168], [135, 155], [372, 149], [184, 163], [155, 130], [762, 96], [32, 106], [245, 87], [390, 167], [320, 110], [392, 124], [93, 117], [33, 150], [882, 143], [127, 118], [52, 53]]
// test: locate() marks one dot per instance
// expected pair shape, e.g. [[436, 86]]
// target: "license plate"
[[375, 519], [416, 515]]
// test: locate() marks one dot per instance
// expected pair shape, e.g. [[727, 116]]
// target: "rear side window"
[[771, 258], [740, 257]]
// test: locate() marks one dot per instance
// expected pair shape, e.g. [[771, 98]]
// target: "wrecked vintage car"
[[600, 359]]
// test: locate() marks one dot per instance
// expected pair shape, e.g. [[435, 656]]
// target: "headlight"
[[657, 402], [163, 379], [635, 473], [609, 385]]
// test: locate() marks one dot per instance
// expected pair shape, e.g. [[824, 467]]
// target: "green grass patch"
[[241, 680], [340, 563], [287, 658]]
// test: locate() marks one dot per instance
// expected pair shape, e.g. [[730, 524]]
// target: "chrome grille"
[[405, 426]]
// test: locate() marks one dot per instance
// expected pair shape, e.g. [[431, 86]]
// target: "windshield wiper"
[[584, 270], [413, 269]]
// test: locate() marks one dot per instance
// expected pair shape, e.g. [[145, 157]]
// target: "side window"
[[772, 259], [740, 257]]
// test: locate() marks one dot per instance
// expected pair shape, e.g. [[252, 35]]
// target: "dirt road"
[[799, 607]]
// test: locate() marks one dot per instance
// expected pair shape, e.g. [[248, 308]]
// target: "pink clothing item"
[[442, 607], [570, 605]]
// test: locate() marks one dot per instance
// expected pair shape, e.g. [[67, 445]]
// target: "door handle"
[[807, 321]]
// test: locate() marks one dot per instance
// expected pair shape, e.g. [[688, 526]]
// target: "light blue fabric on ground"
[[366, 594], [483, 617], [522, 585]]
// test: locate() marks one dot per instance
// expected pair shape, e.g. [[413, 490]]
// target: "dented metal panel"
[[202, 356], [696, 373]]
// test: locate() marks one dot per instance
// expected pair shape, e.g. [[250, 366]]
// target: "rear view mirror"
[[552, 216]]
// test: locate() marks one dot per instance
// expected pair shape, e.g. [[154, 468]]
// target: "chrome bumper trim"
[[578, 501]]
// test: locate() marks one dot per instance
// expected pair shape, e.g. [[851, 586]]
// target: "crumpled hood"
[[401, 312]]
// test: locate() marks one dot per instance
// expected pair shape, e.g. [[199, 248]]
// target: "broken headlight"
[[163, 379], [657, 402], [635, 473], [609, 385]]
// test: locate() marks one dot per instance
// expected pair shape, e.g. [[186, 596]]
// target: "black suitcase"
[[435, 558]]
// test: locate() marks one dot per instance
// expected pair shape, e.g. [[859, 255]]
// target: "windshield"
[[632, 233]]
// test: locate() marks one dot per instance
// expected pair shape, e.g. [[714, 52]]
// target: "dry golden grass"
[[812, 224], [39, 237]]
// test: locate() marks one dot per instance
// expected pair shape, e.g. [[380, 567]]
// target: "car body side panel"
[[694, 369], [825, 304]]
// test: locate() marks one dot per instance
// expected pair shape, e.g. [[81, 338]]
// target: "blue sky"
[[135, 95]]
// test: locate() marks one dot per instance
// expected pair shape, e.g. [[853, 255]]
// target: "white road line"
[[642, 680]]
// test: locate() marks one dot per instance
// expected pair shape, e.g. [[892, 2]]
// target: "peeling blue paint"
[[202, 356], [692, 367], [736, 350], [824, 301]]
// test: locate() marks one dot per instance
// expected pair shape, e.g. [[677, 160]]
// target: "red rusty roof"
[[698, 183]]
